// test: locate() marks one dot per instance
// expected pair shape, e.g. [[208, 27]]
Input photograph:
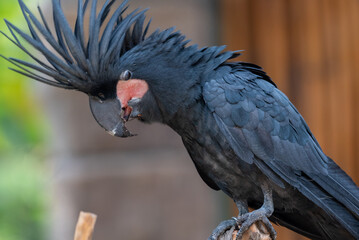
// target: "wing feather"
[[265, 129]]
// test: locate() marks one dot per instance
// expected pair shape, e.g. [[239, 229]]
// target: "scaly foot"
[[222, 228], [246, 220]]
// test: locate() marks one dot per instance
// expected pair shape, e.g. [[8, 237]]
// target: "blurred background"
[[56, 161]]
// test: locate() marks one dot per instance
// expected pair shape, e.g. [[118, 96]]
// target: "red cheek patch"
[[133, 88]]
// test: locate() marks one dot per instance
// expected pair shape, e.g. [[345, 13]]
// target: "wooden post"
[[85, 226]]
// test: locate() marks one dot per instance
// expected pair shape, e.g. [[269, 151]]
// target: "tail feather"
[[337, 183], [333, 201], [306, 228]]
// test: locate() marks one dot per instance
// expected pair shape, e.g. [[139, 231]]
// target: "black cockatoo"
[[243, 134]]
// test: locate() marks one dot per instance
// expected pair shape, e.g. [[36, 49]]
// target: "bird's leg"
[[242, 207], [228, 224], [246, 220]]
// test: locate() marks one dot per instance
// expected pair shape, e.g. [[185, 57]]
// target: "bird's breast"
[[212, 154]]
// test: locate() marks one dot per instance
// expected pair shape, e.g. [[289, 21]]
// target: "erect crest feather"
[[77, 64]]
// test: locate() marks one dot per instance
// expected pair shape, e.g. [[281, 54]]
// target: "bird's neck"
[[188, 121]]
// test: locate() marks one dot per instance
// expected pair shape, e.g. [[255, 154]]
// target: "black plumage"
[[242, 133]]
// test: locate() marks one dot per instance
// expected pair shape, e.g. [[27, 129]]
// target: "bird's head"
[[125, 74]]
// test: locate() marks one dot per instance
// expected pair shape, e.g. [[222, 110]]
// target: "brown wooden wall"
[[311, 50]]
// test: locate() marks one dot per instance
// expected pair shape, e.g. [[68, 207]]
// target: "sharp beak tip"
[[112, 133], [120, 131]]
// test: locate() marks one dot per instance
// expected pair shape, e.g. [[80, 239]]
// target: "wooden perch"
[[85, 226], [257, 231]]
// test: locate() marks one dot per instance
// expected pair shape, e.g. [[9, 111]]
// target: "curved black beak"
[[108, 113]]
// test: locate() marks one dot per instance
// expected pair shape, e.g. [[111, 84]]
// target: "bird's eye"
[[126, 75]]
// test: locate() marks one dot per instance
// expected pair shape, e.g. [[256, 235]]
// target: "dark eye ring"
[[126, 75]]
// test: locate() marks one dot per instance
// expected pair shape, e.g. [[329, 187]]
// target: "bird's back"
[[312, 195]]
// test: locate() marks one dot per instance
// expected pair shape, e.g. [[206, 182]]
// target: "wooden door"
[[311, 50]]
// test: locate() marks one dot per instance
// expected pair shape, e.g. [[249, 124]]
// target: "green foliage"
[[22, 178], [22, 198], [20, 118]]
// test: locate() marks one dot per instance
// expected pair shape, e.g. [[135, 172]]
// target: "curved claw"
[[247, 220], [222, 228]]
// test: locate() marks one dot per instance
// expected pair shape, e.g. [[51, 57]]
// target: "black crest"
[[78, 63]]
